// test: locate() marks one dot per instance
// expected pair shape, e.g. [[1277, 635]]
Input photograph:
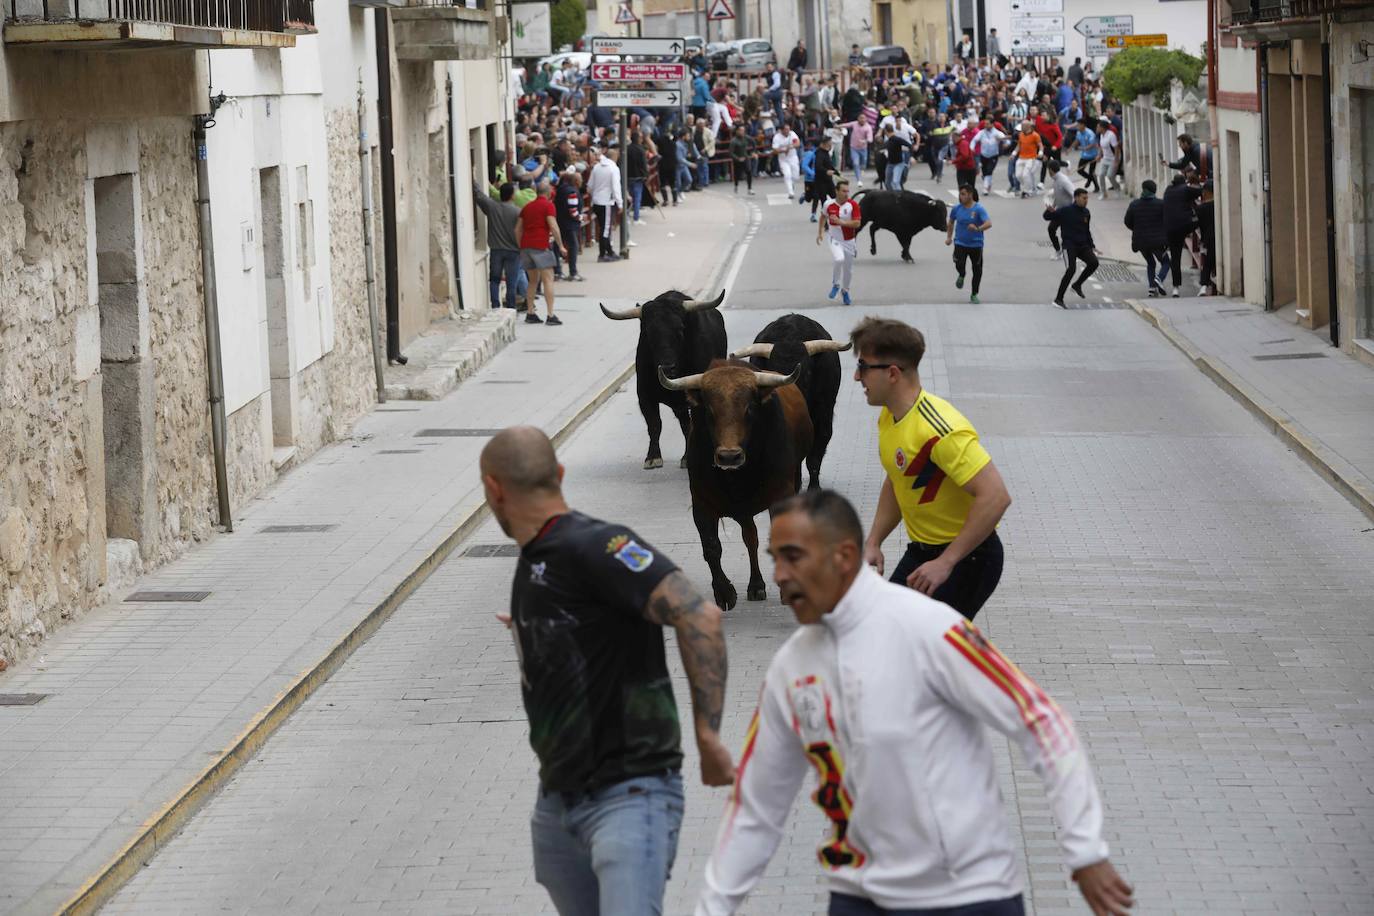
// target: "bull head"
[[688, 305], [813, 347], [700, 305], [764, 380]]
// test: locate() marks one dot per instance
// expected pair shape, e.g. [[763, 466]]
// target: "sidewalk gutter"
[[1328, 464], [159, 829]]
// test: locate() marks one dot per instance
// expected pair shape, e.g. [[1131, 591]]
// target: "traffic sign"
[[1102, 26], [1021, 7], [1097, 47], [637, 98], [625, 15], [1037, 44], [644, 47], [624, 73], [1136, 41], [1034, 24], [720, 9]]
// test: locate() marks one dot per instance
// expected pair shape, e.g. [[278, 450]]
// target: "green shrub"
[[568, 22], [1149, 71]]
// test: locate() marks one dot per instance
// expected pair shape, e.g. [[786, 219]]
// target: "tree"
[[568, 22], [1134, 72]]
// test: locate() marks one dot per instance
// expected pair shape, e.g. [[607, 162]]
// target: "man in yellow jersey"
[[940, 481]]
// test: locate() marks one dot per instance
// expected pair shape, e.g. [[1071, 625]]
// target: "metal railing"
[[464, 4], [244, 15]]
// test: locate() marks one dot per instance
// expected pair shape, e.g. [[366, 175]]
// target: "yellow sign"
[[1135, 41]]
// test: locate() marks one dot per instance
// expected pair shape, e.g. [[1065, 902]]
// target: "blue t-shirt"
[[964, 219], [1087, 143]]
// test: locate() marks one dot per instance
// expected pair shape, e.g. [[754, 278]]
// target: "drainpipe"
[[393, 292], [214, 364], [365, 180], [453, 193], [1263, 51], [1215, 140], [1328, 154]]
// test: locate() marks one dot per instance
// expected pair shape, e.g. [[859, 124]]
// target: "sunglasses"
[[864, 367]]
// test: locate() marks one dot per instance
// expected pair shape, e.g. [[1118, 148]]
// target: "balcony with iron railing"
[[126, 24], [445, 30], [1277, 19]]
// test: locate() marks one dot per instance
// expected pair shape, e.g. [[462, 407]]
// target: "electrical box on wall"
[[247, 244]]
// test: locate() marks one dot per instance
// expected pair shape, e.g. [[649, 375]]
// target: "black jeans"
[[848, 905], [1054, 233], [965, 177], [1089, 171], [964, 255], [742, 169], [572, 241], [1178, 239], [604, 224], [1072, 255], [971, 582], [1155, 257]]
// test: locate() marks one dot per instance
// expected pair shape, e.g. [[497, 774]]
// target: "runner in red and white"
[[839, 227]]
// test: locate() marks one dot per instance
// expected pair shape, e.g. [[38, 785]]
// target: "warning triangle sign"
[[625, 15], [720, 9]]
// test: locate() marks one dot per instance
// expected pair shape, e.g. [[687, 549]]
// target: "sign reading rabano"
[[531, 29]]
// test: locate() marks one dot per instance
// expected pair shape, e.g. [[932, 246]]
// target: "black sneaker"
[[1060, 303], [532, 318], [1078, 291], [552, 320]]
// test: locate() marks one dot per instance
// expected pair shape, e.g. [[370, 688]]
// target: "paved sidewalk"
[[1319, 400], [151, 705]]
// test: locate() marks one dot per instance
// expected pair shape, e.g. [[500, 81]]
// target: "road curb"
[[1329, 465], [157, 830]]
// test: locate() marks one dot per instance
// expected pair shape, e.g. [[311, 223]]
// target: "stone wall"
[[248, 442]]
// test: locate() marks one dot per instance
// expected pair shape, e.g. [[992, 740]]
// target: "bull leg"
[[654, 459], [683, 419], [708, 530], [756, 590], [825, 428], [906, 247], [873, 238]]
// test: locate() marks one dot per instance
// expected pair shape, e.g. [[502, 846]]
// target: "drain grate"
[[457, 433], [1096, 306], [1234, 311], [1115, 273], [171, 595], [399, 451], [492, 550], [22, 699], [296, 529], [506, 381], [1266, 356], [398, 410]]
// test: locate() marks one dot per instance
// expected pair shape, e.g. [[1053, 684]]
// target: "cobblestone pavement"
[[1192, 594]]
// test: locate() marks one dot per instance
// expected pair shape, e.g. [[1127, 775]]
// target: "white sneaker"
[[631, 244], [859, 182], [640, 222], [1056, 256], [1040, 186], [1176, 292]]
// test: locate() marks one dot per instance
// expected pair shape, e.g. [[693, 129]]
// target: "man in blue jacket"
[[701, 96], [1077, 237]]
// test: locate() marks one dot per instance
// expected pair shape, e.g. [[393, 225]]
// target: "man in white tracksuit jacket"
[[885, 693]]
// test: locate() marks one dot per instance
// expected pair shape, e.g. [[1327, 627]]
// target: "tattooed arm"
[[676, 603]]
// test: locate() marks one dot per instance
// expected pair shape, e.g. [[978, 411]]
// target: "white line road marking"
[[1095, 285], [778, 200], [755, 219], [1106, 299]]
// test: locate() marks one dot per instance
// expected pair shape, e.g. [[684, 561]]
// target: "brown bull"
[[749, 434]]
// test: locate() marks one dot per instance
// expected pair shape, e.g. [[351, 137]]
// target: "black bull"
[[682, 335], [903, 213]]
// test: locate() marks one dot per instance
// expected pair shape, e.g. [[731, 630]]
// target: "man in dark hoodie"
[[1207, 228], [1145, 219], [1179, 223], [1074, 229]]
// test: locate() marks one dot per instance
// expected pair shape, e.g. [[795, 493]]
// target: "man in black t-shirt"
[[588, 606]]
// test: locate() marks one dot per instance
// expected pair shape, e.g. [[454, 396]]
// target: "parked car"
[[750, 54], [887, 56], [583, 59], [691, 42], [718, 53]]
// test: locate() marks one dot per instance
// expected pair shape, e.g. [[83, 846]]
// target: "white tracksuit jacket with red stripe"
[[886, 700]]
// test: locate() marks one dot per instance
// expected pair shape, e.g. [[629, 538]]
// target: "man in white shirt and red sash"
[[840, 226]]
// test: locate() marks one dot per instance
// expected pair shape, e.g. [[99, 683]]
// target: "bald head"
[[521, 458]]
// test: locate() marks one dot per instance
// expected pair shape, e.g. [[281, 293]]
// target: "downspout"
[[1328, 155], [389, 256], [365, 180], [214, 362], [453, 193], [1263, 51]]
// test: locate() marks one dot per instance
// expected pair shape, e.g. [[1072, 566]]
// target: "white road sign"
[[1037, 44], [1097, 47], [637, 73], [648, 47], [638, 98], [532, 28], [1021, 7], [1026, 25], [1102, 26]]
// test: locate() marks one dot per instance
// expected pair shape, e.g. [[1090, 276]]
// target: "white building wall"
[[1184, 21]]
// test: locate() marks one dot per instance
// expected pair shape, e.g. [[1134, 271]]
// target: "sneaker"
[[631, 244], [610, 257], [813, 217], [844, 297], [1056, 255], [959, 282], [1176, 292], [1060, 303], [834, 291], [1152, 294], [553, 320], [577, 278], [751, 192], [558, 278], [640, 222], [1025, 194], [789, 196], [859, 182], [1078, 291], [973, 298], [1040, 186], [532, 318]]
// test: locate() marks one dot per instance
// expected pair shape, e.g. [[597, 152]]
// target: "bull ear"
[[698, 305], [814, 347], [623, 314]]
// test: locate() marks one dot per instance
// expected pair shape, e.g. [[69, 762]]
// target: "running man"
[[1088, 149], [988, 143], [588, 608], [841, 224], [954, 555], [967, 223], [1075, 226], [886, 694], [785, 145], [1030, 149]]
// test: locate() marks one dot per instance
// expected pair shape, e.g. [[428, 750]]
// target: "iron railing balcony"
[[445, 30], [120, 24]]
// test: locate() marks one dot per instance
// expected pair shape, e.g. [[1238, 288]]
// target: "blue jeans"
[[684, 177], [507, 264], [774, 97], [858, 158], [608, 852], [896, 175], [847, 905], [704, 172], [636, 193]]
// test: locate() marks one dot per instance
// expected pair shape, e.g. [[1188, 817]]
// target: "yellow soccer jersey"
[[929, 455]]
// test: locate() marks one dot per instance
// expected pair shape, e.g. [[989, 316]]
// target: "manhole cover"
[[22, 699], [457, 433], [1267, 356], [1115, 273], [297, 529], [141, 597], [399, 451], [492, 550]]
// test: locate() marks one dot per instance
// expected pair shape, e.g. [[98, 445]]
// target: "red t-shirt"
[[834, 212], [535, 232]]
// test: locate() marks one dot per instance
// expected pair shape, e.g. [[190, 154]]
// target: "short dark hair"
[[829, 511], [1083, 191], [889, 340], [507, 191]]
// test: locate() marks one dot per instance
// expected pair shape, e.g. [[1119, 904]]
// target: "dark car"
[[887, 56]]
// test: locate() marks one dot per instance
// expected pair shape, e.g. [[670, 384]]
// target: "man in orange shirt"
[[1029, 149]]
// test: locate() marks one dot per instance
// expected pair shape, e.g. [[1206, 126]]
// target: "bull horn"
[[697, 305], [774, 380], [826, 346], [686, 383], [624, 314], [763, 350]]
